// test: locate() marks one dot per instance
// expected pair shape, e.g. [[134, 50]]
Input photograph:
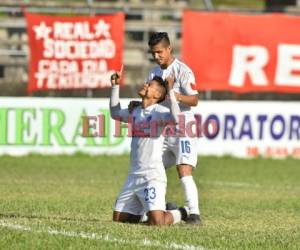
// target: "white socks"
[[191, 194], [144, 217], [176, 215]]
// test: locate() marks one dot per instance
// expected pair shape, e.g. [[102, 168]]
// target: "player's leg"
[[168, 156], [190, 192], [126, 217], [173, 155], [152, 196], [169, 160], [186, 160], [128, 208], [160, 217]]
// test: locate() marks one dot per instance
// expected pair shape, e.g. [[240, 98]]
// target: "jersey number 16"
[[185, 147]]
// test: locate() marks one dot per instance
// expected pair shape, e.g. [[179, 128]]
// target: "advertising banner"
[[242, 53], [55, 126], [74, 52]]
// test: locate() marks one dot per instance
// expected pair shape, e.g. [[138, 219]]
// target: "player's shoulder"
[[136, 110], [182, 66], [160, 108], [155, 69]]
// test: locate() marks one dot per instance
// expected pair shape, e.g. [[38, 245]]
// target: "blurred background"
[[142, 18]]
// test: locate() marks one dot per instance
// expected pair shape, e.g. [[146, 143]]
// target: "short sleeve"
[[187, 79], [163, 114]]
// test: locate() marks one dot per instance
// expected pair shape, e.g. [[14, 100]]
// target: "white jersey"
[[146, 144], [184, 79], [181, 150]]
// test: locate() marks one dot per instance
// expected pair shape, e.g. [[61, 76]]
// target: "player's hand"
[[132, 105], [170, 80], [115, 78]]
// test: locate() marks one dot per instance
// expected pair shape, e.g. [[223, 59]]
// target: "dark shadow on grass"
[[21, 216], [24, 216]]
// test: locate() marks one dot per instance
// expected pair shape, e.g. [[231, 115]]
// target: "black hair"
[[161, 82], [158, 37]]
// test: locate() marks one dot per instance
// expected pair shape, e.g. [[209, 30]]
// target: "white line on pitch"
[[106, 237]]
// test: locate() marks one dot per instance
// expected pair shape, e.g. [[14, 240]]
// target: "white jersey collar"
[[172, 64]]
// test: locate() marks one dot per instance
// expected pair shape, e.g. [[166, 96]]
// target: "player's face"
[[161, 54], [143, 91], [150, 90]]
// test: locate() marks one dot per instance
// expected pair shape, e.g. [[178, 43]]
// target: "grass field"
[[65, 202]]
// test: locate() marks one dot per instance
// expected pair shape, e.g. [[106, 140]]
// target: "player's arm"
[[190, 100], [175, 110], [190, 97], [115, 108]]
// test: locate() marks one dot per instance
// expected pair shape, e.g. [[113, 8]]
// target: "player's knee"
[[156, 220]]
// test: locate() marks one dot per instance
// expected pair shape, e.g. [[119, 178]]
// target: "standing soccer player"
[[181, 150], [145, 187]]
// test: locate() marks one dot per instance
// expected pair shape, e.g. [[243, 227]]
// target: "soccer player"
[[145, 187], [181, 150]]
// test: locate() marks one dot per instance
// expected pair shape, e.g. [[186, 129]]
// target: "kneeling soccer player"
[[145, 187]]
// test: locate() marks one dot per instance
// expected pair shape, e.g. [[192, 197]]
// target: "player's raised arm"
[[115, 81], [116, 77], [115, 108]]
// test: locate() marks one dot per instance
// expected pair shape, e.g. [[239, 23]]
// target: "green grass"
[[248, 4], [240, 3], [245, 204]]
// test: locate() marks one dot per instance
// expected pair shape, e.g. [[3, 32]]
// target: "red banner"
[[242, 53], [74, 52]]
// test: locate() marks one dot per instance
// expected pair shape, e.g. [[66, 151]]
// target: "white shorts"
[[140, 195], [180, 150]]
